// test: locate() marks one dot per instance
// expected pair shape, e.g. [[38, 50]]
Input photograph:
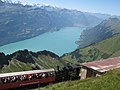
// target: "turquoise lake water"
[[59, 42]]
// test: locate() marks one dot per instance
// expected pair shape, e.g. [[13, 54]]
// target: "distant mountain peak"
[[43, 4], [110, 21], [113, 19]]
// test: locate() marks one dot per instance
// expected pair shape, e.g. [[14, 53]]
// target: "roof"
[[25, 72], [103, 65]]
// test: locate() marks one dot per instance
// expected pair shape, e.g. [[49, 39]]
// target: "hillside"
[[19, 22], [102, 31], [109, 81], [105, 49], [102, 41], [26, 60]]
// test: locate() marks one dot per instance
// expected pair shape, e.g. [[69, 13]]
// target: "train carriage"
[[24, 78]]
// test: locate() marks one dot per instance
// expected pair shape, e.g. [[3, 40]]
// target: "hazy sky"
[[98, 6]]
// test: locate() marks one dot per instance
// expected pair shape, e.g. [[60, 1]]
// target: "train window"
[[44, 75], [40, 75], [29, 77], [5, 80], [13, 79], [37, 76], [23, 77]]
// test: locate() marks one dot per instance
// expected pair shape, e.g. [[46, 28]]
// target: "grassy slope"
[[41, 61], [109, 81], [16, 65], [105, 49]]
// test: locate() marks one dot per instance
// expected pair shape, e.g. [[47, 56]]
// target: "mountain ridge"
[[102, 31], [23, 60], [19, 22]]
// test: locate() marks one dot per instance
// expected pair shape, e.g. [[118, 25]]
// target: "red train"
[[39, 77], [24, 78]]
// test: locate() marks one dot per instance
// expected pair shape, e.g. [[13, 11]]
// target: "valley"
[[20, 22], [59, 42]]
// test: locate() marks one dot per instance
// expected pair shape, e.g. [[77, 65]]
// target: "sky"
[[96, 6]]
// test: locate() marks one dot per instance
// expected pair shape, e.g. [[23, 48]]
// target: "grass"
[[109, 81], [69, 60], [110, 45], [15, 65], [49, 62], [42, 62]]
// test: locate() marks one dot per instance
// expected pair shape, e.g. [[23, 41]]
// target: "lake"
[[59, 42]]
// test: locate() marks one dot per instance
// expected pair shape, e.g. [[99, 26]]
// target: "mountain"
[[107, 48], [19, 22], [109, 81], [102, 31], [102, 16], [27, 60]]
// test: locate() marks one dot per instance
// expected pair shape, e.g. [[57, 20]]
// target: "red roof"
[[103, 65]]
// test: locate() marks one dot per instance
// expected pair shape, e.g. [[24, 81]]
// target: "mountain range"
[[19, 22]]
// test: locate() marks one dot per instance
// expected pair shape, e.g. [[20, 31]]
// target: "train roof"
[[25, 72]]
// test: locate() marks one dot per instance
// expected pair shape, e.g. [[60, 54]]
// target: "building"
[[97, 68]]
